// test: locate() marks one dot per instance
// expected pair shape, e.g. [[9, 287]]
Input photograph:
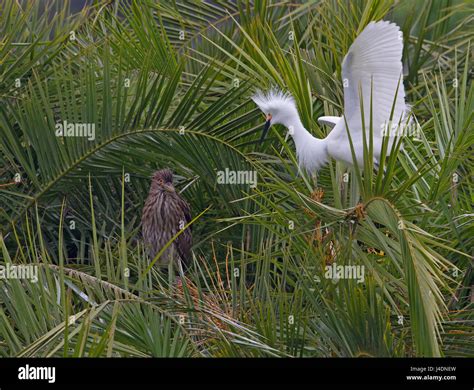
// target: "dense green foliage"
[[168, 84]]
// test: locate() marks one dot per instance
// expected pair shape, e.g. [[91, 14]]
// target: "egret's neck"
[[311, 151]]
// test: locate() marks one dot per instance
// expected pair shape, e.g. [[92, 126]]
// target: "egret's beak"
[[266, 127]]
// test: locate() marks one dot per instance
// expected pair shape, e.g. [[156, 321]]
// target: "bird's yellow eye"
[[160, 181]]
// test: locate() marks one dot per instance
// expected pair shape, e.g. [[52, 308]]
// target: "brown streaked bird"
[[166, 213]]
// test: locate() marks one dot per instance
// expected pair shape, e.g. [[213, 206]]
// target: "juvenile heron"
[[371, 69], [166, 213]]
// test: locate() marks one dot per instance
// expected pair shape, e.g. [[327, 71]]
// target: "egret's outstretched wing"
[[374, 63], [330, 121]]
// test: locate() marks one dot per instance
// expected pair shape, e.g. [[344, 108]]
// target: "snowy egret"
[[371, 70]]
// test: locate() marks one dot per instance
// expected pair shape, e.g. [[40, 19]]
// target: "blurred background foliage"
[[168, 84]]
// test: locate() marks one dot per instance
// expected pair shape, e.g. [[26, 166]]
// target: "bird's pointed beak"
[[266, 127], [169, 188]]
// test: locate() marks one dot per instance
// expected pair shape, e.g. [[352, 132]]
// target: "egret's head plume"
[[276, 103], [278, 106]]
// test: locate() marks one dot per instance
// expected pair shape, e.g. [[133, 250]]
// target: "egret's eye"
[[160, 181]]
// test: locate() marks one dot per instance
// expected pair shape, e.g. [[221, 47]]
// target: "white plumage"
[[371, 69]]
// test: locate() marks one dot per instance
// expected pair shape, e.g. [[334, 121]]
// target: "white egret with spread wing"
[[371, 70]]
